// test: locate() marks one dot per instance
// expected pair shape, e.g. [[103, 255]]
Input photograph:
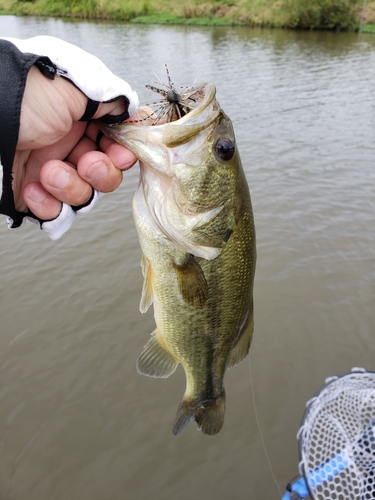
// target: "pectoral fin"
[[147, 293], [155, 361], [192, 282], [242, 346]]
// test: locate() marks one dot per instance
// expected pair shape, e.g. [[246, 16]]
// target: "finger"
[[40, 202], [111, 108], [98, 170], [63, 182], [120, 156], [95, 167], [84, 146]]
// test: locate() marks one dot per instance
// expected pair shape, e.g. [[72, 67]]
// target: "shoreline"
[[332, 15]]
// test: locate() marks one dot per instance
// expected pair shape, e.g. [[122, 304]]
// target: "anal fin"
[[155, 360]]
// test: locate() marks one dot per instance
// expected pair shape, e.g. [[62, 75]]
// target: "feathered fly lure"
[[176, 102]]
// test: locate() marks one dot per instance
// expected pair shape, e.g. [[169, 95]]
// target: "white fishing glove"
[[98, 83]]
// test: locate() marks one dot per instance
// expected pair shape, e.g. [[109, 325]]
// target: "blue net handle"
[[318, 476]]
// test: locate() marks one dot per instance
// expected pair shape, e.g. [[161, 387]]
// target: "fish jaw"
[[155, 146], [144, 141]]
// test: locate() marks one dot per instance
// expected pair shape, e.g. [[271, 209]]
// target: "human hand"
[[57, 158]]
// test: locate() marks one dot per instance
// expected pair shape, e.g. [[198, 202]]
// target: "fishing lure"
[[175, 103]]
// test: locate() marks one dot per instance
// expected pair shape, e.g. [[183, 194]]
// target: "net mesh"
[[337, 439]]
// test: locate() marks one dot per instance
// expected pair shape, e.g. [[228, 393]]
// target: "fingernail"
[[59, 178], [37, 195], [98, 171]]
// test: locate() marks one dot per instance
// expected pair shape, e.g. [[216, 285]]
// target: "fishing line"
[[260, 430]]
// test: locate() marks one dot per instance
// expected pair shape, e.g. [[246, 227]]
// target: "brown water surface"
[[76, 420]]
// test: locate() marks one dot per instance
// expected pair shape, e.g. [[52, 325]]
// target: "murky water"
[[76, 420]]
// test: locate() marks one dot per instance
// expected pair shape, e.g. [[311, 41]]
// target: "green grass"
[[368, 28], [119, 10], [323, 14], [5, 7], [299, 14]]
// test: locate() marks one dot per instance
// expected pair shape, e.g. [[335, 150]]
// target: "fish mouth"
[[158, 146], [174, 133]]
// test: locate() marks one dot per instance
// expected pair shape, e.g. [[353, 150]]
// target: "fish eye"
[[225, 149]]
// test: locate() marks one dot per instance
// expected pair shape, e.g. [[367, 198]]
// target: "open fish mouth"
[[179, 117]]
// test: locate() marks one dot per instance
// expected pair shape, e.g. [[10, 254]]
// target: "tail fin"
[[208, 414]]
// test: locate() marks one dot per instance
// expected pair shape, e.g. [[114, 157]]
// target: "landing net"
[[337, 439]]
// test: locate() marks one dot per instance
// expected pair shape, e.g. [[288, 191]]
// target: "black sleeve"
[[14, 67]]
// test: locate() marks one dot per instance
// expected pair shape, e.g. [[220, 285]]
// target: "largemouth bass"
[[195, 224]]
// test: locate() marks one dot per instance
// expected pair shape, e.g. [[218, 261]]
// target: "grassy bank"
[[303, 14]]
